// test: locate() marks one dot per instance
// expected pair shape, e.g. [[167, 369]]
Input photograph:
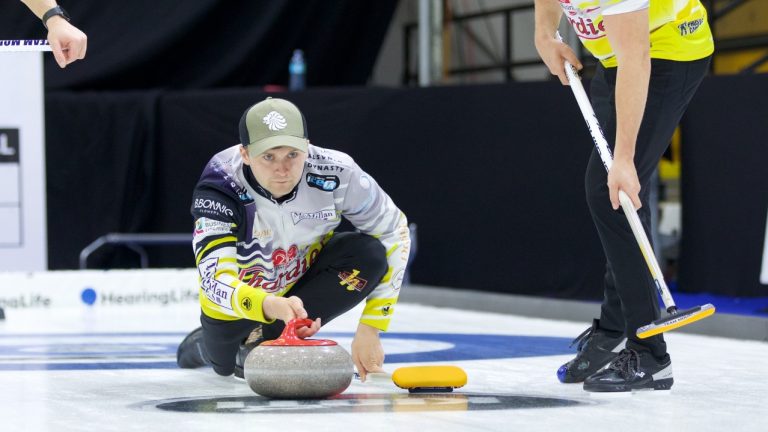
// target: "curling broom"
[[676, 318]]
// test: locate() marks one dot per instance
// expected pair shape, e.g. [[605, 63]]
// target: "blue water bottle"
[[298, 71]]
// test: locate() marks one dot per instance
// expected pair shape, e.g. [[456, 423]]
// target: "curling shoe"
[[191, 352], [595, 350], [632, 370], [254, 339]]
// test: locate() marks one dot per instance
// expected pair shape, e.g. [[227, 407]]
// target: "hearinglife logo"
[[91, 297], [25, 301]]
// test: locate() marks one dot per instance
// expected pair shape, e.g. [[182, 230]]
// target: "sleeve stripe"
[[213, 244]]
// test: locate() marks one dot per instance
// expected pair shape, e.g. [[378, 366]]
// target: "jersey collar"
[[265, 193]]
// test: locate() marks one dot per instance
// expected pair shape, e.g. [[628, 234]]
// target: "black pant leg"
[[629, 291], [222, 340], [602, 94], [348, 268]]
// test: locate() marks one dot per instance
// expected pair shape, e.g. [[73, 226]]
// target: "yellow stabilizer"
[[415, 377], [676, 320]]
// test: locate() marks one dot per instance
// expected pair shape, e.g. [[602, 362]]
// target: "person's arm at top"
[[552, 51], [67, 41], [629, 37]]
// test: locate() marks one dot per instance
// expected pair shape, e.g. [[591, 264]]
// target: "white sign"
[[98, 288], [23, 238]]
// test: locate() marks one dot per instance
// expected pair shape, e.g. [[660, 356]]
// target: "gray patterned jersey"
[[248, 244]]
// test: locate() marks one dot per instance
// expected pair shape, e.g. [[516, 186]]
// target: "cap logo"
[[275, 121]]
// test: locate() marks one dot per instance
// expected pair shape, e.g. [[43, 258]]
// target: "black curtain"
[[100, 169], [142, 44], [725, 187], [495, 185]]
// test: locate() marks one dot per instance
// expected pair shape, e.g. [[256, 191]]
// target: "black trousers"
[[630, 299], [320, 289]]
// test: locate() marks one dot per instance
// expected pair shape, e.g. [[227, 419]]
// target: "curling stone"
[[293, 368]]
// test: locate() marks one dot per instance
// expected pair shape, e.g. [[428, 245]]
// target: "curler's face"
[[278, 170]]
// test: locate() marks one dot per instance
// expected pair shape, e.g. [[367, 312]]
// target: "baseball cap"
[[273, 123]]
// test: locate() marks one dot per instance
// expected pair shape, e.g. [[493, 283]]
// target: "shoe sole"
[[664, 384], [239, 373]]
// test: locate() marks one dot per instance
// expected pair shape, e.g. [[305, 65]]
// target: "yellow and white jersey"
[[249, 245], [678, 28]]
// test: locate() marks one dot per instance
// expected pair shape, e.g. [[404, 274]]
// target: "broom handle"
[[626, 203]]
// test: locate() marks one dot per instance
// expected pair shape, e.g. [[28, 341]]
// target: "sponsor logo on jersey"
[[585, 19], [262, 234], [397, 280], [242, 193], [289, 267], [261, 230], [326, 215], [213, 207], [324, 167], [404, 233], [352, 281], [207, 269], [690, 27], [323, 157], [220, 294], [246, 303], [386, 309], [326, 183], [214, 290], [205, 227], [587, 29]]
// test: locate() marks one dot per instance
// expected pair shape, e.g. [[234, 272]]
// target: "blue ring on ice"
[[46, 356]]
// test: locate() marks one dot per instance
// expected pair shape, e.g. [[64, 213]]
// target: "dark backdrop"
[[140, 44], [725, 186], [491, 174]]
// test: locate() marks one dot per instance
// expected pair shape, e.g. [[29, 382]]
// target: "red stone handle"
[[290, 338]]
